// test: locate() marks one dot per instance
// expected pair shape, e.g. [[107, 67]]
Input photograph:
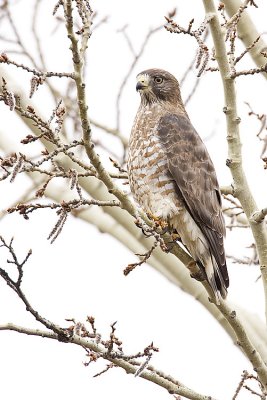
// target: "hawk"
[[172, 176]]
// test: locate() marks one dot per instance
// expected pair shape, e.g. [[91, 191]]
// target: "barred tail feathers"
[[215, 279]]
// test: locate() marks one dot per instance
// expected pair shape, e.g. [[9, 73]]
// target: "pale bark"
[[120, 224], [150, 373], [248, 32], [241, 187]]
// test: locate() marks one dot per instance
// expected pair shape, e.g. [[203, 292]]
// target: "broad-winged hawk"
[[172, 176]]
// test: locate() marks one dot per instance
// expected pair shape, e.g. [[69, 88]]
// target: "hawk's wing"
[[192, 169]]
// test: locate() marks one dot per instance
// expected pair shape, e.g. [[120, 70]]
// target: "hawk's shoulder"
[[176, 125]]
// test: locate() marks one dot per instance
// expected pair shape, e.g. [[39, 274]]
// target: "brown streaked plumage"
[[172, 176]]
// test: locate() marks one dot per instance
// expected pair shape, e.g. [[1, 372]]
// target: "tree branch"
[[241, 187], [119, 225], [244, 342], [89, 146], [114, 132], [242, 190], [248, 33], [150, 373], [259, 216], [85, 123], [169, 266], [136, 58]]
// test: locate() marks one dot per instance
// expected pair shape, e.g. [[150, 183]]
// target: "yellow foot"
[[159, 223]]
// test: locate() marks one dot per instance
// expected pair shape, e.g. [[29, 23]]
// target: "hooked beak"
[[140, 86], [142, 82]]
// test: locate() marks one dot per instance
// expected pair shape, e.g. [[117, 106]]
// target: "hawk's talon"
[[146, 234], [163, 230], [146, 230], [159, 223]]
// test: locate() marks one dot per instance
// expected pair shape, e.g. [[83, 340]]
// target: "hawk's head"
[[156, 85]]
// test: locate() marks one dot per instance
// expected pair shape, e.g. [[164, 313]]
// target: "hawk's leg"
[[174, 236], [149, 231]]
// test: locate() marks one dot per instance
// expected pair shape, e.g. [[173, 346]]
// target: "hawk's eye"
[[158, 79]]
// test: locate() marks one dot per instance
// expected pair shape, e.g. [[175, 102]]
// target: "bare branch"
[[242, 189], [247, 49], [251, 71], [114, 132], [248, 33], [89, 146], [94, 167], [227, 190], [4, 59], [144, 258], [134, 62], [150, 373], [243, 192], [244, 377], [259, 216], [262, 118], [203, 52], [15, 285]]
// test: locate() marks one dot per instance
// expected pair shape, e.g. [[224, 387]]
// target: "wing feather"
[[192, 169]]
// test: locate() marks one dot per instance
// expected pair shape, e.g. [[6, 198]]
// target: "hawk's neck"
[[156, 110], [148, 117], [161, 106]]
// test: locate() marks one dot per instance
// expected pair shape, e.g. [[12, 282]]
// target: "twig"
[[203, 52], [251, 71], [25, 209], [114, 132], [133, 64], [128, 40], [15, 285], [89, 147], [108, 367], [144, 258], [233, 21], [262, 118], [35, 33], [247, 32], [247, 49], [63, 209], [197, 81], [244, 377], [227, 190], [240, 385], [150, 374], [258, 216], [4, 59]]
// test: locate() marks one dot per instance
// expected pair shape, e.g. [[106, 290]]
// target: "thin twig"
[[149, 34]]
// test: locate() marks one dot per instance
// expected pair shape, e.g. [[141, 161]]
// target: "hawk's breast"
[[150, 181]]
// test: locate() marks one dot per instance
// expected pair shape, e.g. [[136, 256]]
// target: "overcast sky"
[[82, 272]]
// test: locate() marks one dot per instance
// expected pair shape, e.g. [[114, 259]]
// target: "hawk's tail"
[[215, 279]]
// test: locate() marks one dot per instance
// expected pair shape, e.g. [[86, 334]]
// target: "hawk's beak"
[[142, 83], [140, 86]]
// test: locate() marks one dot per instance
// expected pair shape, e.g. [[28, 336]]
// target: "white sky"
[[81, 273]]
